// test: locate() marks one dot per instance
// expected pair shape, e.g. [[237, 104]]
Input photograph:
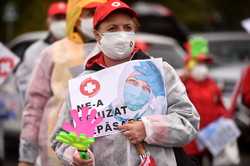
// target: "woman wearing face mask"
[[56, 21], [204, 94], [115, 25], [48, 84], [141, 89]]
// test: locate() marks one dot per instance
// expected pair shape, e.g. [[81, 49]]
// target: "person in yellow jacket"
[[47, 87]]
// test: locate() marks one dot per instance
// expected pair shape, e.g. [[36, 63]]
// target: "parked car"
[[157, 18], [163, 47], [19, 44], [230, 52]]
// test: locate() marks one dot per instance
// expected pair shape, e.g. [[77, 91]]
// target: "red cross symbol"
[[6, 65], [89, 87]]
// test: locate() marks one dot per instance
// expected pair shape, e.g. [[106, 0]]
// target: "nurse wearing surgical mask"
[[206, 96], [115, 25], [141, 89], [29, 153], [136, 94], [57, 26], [56, 22], [200, 72], [85, 24]]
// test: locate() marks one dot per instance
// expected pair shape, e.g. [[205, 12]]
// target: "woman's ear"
[[97, 35]]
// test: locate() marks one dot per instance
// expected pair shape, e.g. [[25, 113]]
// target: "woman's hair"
[[125, 12]]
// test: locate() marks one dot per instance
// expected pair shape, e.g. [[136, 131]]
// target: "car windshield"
[[167, 53], [225, 52]]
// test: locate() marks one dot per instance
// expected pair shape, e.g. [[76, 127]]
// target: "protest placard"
[[8, 62], [122, 92], [218, 135]]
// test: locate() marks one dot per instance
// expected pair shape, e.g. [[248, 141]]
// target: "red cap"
[[57, 8], [200, 59], [142, 45], [205, 59], [105, 9]]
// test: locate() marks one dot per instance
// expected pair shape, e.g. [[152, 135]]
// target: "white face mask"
[[117, 45], [58, 29], [200, 72], [86, 27]]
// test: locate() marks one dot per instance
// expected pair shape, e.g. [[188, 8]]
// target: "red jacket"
[[246, 88], [206, 97]]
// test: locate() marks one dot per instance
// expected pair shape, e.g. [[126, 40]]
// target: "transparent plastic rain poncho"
[[175, 127]]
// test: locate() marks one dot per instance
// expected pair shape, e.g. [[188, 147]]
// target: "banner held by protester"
[[120, 93]]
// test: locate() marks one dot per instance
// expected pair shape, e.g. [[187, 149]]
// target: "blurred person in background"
[[240, 107], [56, 22], [9, 101], [46, 90], [246, 87], [241, 93], [202, 90]]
